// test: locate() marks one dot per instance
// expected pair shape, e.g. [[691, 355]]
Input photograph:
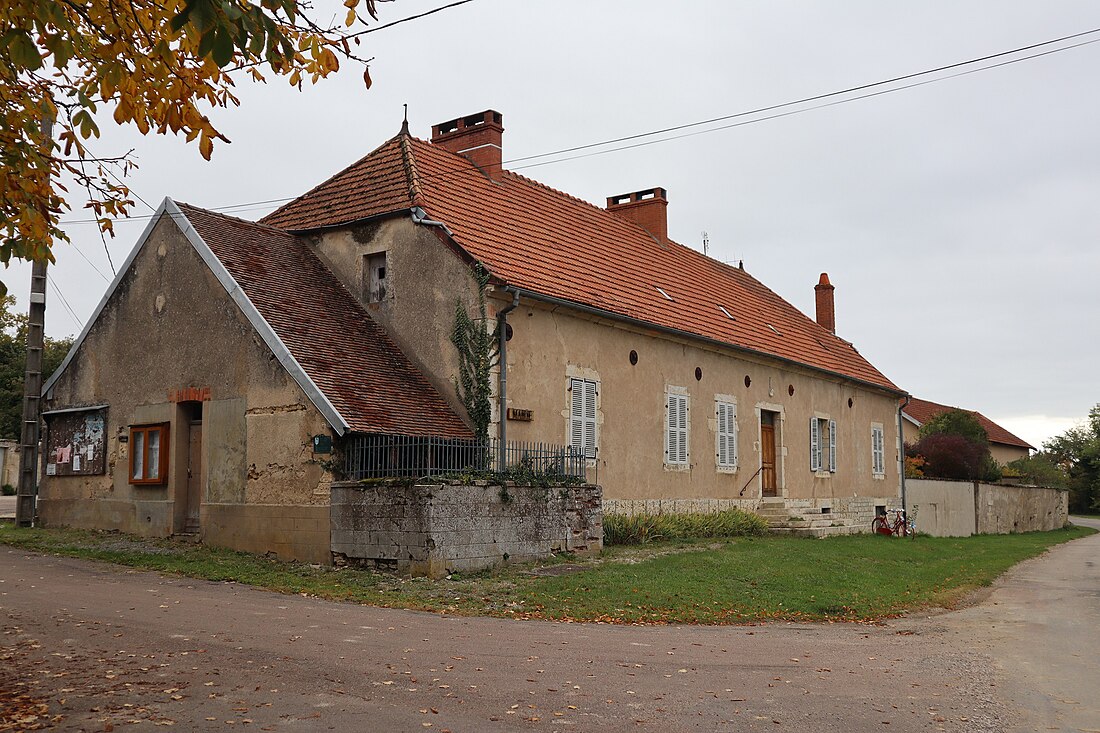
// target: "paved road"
[[106, 646]]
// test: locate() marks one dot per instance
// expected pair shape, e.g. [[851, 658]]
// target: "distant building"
[[1003, 445]]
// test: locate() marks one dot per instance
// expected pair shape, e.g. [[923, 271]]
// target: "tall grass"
[[638, 529]]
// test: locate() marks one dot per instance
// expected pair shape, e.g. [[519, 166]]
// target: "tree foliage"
[[956, 422], [1038, 470], [155, 64], [477, 350], [956, 457], [1077, 452], [953, 444], [13, 365]]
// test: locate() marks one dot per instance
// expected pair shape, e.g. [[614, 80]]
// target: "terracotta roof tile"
[[922, 411], [347, 354], [539, 239]]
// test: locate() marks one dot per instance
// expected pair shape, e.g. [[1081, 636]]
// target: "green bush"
[[620, 529], [8, 490]]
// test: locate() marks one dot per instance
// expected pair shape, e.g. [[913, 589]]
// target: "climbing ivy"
[[477, 352]]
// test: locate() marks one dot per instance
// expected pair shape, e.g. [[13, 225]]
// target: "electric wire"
[[247, 206], [65, 302]]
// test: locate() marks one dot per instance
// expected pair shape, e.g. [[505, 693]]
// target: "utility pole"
[[32, 379]]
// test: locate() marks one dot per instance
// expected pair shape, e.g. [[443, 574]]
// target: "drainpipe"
[[419, 216], [901, 453], [502, 360]]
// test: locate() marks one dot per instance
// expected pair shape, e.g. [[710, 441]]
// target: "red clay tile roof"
[[539, 239], [922, 411], [348, 355]]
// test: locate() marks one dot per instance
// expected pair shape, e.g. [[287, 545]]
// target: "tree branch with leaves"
[[160, 63]]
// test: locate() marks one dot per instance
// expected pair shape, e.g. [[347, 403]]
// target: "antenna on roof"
[[741, 264], [405, 121], [706, 242]]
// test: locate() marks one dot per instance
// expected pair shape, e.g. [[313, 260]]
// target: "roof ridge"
[[331, 178], [408, 160]]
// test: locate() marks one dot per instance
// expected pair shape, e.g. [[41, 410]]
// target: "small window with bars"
[[822, 444], [726, 449], [676, 433], [582, 416], [878, 450]]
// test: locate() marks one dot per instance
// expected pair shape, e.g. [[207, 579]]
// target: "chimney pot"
[[823, 293], [646, 208], [477, 137]]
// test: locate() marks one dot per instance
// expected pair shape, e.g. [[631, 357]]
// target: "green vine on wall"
[[477, 351]]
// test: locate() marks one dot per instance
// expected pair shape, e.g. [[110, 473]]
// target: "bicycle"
[[899, 527]]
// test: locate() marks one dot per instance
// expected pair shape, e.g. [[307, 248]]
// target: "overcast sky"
[[959, 220]]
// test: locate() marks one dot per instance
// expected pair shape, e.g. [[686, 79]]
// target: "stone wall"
[[435, 529], [854, 511], [945, 508]]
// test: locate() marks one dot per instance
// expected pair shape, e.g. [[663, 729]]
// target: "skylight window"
[[777, 333], [662, 292], [728, 314]]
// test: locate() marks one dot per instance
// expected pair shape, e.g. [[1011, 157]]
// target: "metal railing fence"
[[408, 456]]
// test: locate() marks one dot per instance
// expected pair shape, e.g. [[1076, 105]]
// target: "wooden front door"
[[194, 477], [768, 482]]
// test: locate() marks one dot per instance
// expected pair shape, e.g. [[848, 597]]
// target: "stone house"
[[243, 349], [1003, 445]]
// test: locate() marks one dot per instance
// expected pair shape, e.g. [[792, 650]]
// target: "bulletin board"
[[76, 443]]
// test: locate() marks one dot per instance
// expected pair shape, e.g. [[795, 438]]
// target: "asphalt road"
[[112, 649]]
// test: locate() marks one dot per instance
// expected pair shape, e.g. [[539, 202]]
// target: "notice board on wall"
[[76, 443]]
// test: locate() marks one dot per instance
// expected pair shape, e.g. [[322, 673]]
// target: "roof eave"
[[610, 315], [233, 289]]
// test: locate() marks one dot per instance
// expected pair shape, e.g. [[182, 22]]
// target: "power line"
[[65, 303], [242, 207], [817, 97], [391, 24], [796, 111]]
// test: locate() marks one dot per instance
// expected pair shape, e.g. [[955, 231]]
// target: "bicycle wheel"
[[880, 526]]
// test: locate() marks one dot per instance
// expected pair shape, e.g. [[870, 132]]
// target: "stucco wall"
[[946, 508], [171, 325], [425, 282], [549, 346], [941, 508], [437, 529]]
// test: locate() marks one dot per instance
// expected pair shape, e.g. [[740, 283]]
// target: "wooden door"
[[194, 478], [767, 460]]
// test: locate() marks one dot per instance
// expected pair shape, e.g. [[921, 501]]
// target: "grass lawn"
[[743, 580]]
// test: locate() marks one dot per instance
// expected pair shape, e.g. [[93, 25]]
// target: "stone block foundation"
[[436, 529]]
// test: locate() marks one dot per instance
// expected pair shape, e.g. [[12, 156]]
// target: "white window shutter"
[[589, 419], [832, 446], [732, 437], [815, 445], [723, 444], [576, 414], [676, 446]]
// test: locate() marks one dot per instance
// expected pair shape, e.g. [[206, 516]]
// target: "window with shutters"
[[582, 416], [676, 429], [822, 445], [726, 449], [878, 451]]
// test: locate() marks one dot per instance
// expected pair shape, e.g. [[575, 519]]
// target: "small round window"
[[633, 357], [698, 374], [748, 380]]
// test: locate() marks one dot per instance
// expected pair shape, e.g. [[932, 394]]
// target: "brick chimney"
[[645, 208], [477, 137], [824, 292]]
